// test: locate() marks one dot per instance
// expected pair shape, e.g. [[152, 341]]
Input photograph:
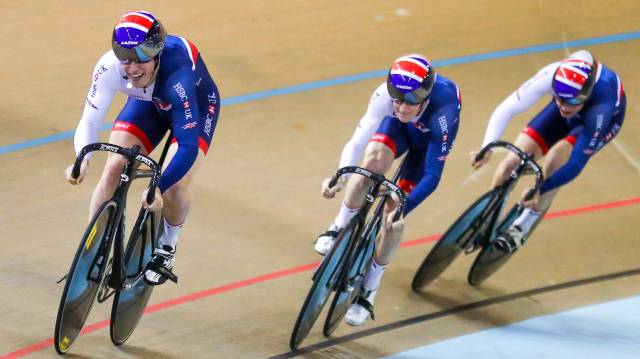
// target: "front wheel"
[[84, 277], [462, 232], [350, 286], [129, 304], [322, 286]]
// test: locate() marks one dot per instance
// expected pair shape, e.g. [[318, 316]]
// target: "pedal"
[[163, 272]]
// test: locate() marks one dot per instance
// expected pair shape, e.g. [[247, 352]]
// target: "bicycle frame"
[[117, 279], [361, 216], [374, 222], [526, 163]]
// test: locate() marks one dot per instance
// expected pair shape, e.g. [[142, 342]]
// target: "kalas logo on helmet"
[[130, 42], [404, 87]]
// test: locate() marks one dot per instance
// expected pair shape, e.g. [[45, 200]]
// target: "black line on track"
[[451, 311]]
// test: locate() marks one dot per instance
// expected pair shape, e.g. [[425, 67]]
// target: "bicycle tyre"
[[321, 288], [128, 305], [461, 232], [353, 278], [490, 259], [80, 290]]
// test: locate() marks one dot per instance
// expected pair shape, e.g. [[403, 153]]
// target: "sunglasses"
[[576, 101], [413, 98], [136, 61]]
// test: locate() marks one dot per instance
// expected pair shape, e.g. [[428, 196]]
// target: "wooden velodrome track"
[[246, 255]]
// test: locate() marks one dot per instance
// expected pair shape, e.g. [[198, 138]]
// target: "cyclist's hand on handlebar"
[[390, 225], [330, 192], [157, 201], [392, 203], [533, 203], [83, 172], [477, 164]]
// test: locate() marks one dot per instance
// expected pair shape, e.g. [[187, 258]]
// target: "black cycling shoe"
[[158, 270]]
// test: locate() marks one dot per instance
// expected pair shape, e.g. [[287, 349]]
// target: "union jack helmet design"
[[138, 36], [575, 78], [410, 79]]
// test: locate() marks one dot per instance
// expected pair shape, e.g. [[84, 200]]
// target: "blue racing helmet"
[[410, 79], [138, 37], [575, 78]]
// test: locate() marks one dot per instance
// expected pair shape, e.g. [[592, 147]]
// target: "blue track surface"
[[608, 330]]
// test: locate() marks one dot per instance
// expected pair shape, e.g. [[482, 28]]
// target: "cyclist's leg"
[[385, 145], [177, 201], [558, 155], [378, 158], [389, 142], [390, 239], [541, 133], [177, 198], [137, 124], [111, 173], [524, 142]]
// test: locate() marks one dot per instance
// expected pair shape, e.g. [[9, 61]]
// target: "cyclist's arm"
[[440, 145], [186, 122], [524, 97], [597, 119], [101, 92], [379, 107]]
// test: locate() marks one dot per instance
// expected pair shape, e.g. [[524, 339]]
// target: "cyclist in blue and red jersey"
[[168, 88], [416, 112], [586, 112]]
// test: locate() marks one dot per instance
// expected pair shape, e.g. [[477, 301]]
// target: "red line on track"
[[285, 273]]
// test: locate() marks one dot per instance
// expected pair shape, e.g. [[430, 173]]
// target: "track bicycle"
[[98, 272], [343, 269], [479, 226]]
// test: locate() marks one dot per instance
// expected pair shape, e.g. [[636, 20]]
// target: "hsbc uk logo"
[[185, 100], [211, 111]]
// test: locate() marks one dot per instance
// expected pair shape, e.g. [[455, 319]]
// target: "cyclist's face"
[[139, 73], [404, 111], [567, 110]]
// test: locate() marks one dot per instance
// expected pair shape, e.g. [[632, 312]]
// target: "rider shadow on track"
[[457, 298], [141, 352]]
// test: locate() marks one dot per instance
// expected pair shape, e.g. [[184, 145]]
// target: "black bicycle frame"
[[373, 193], [117, 279], [526, 163]]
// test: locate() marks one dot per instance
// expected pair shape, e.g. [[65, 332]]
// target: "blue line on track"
[[629, 36]]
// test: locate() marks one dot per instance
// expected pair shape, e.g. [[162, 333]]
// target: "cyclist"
[[417, 111], [586, 111], [168, 87]]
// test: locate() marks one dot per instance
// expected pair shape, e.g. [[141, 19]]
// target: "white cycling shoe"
[[361, 309], [325, 241], [511, 240]]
